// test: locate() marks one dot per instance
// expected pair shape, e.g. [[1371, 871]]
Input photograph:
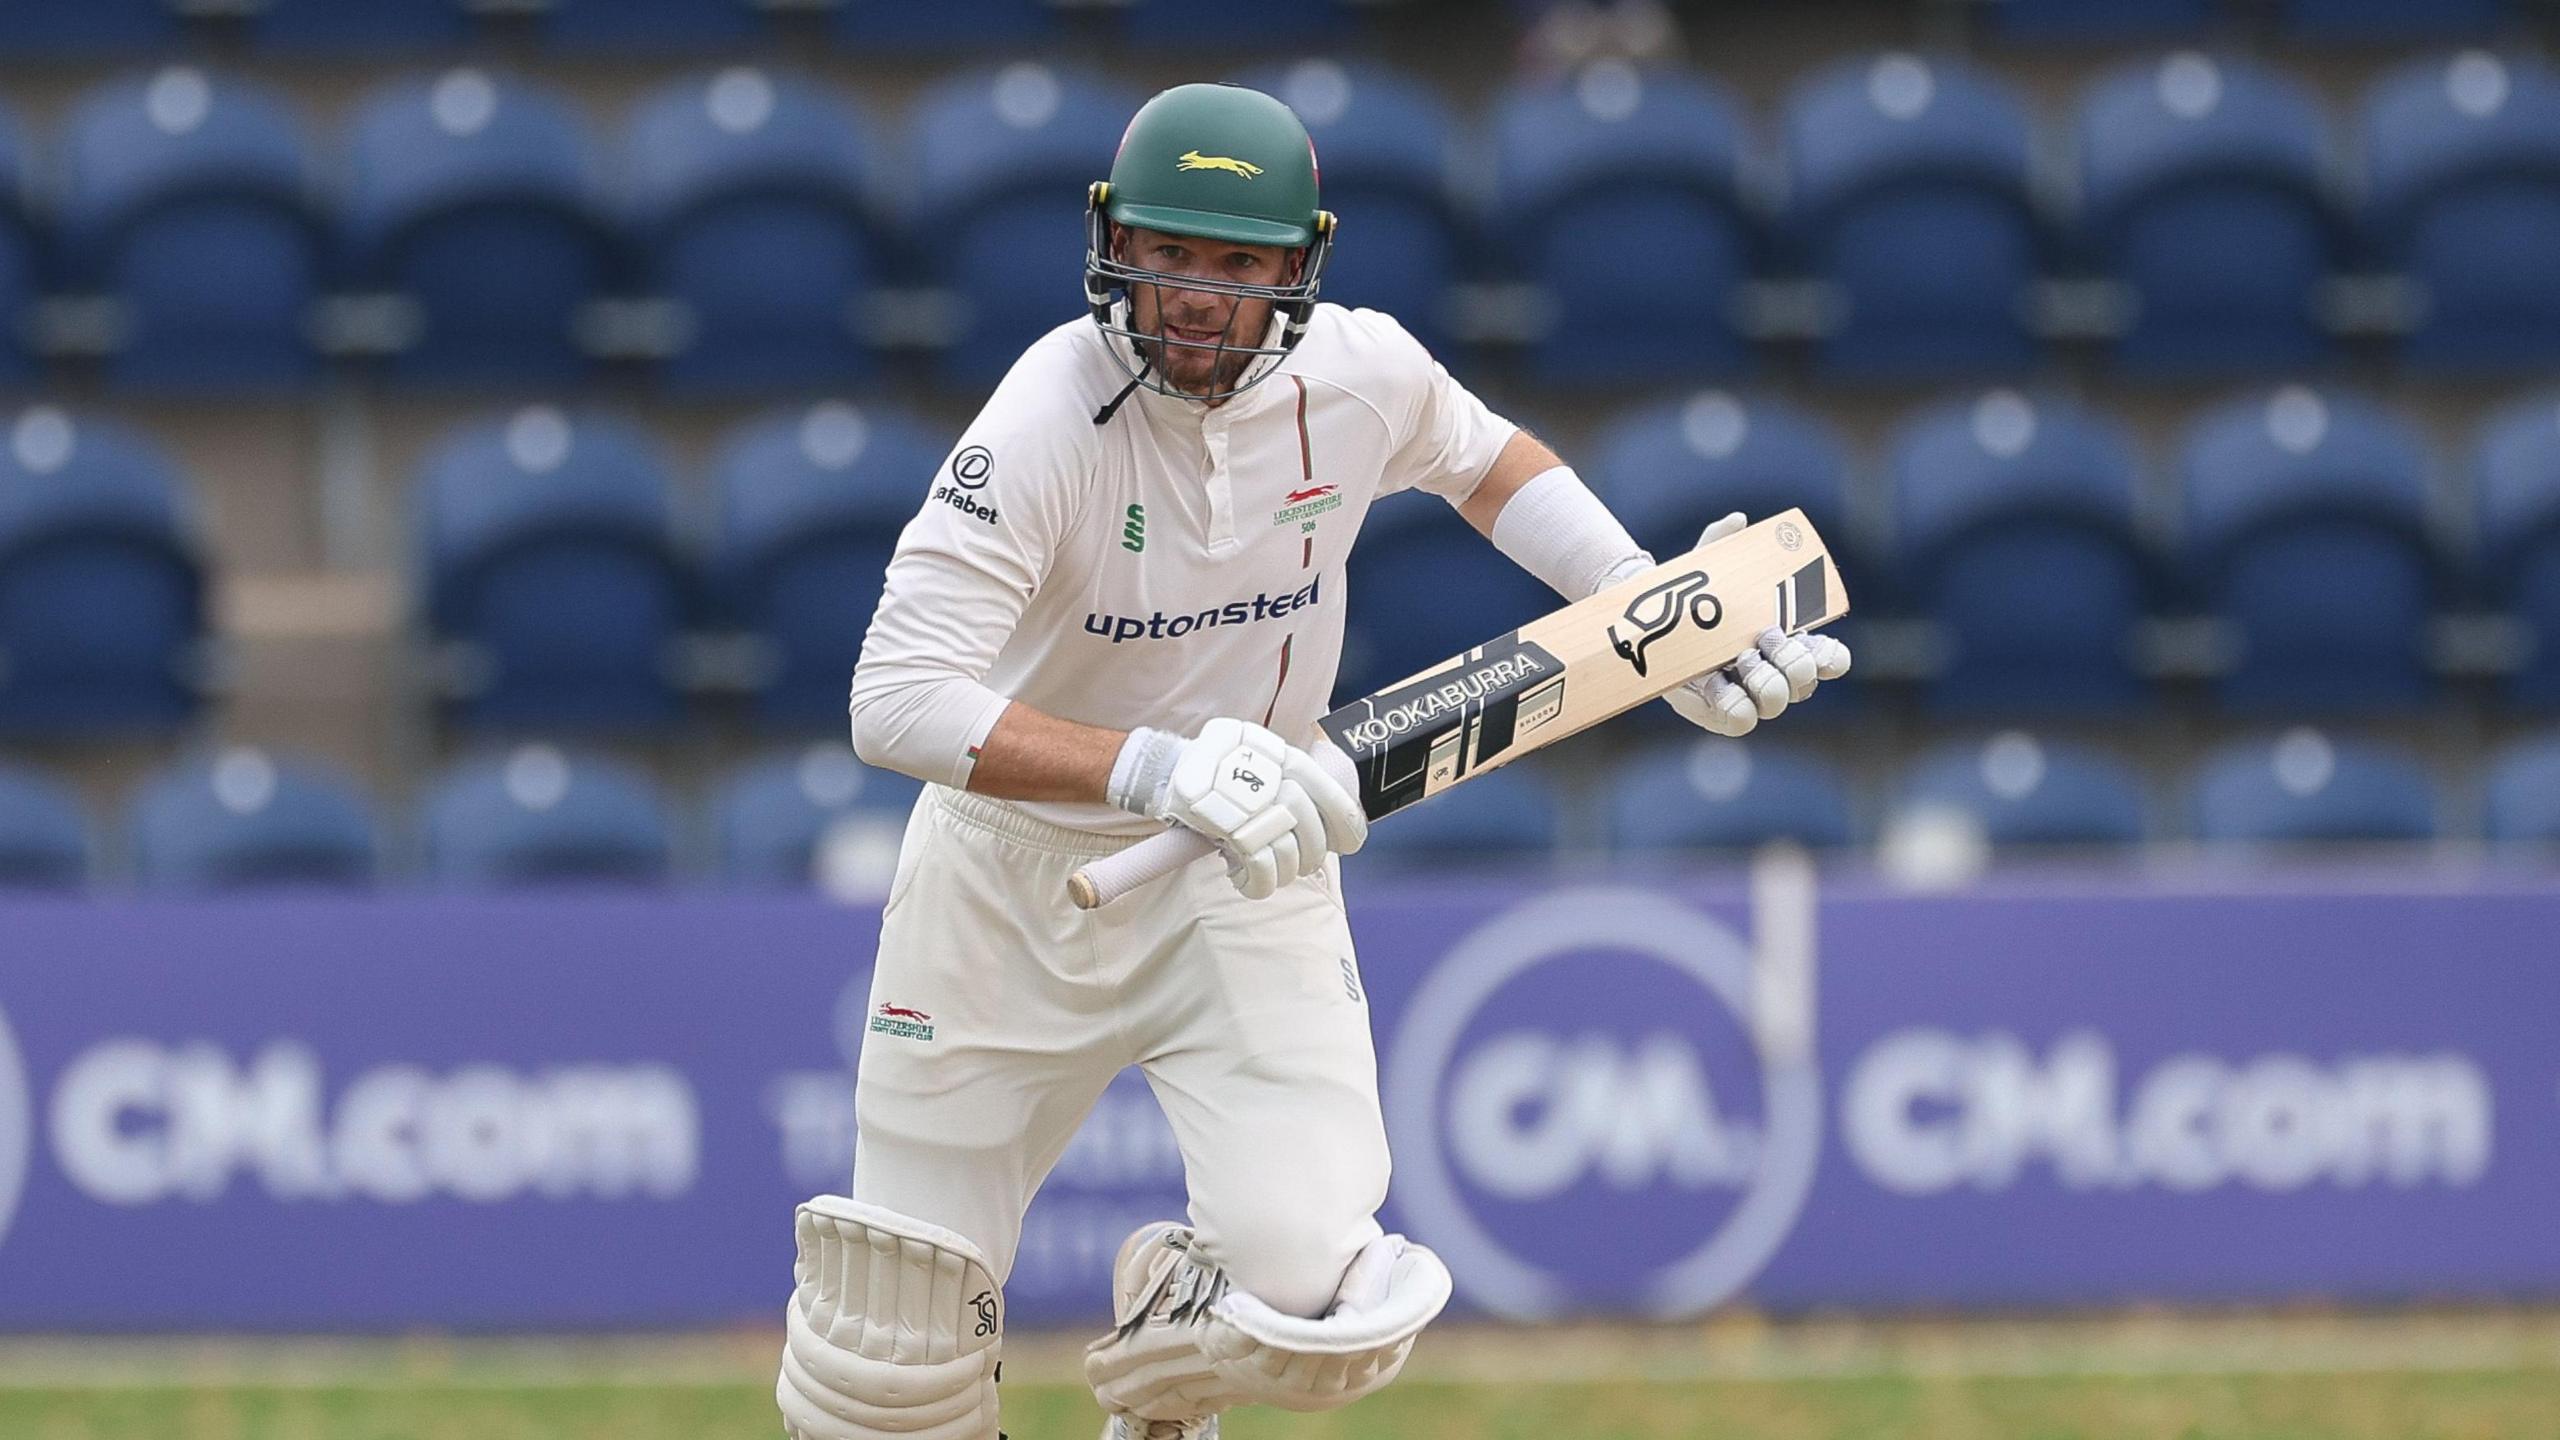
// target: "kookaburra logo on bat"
[[1659, 610]]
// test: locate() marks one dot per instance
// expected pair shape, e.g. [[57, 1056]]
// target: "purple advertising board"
[[304, 1113]]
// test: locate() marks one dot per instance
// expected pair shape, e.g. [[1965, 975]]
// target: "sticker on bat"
[[1660, 609]]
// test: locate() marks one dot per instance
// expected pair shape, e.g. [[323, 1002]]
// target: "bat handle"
[[1099, 882]]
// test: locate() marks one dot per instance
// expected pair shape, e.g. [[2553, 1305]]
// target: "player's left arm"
[[1537, 511]]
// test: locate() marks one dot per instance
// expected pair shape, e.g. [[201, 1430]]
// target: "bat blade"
[[1555, 676]]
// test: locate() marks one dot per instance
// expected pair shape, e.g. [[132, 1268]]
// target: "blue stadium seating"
[[2103, 22], [1910, 194], [2309, 786], [1620, 193], [1265, 25], [44, 838], [2026, 790], [242, 819], [1425, 586], [2524, 793], [1511, 813], [1670, 469], [749, 206], [789, 819], [810, 507], [2307, 531], [1384, 143], [2201, 189], [2515, 477], [536, 816], [358, 26], [475, 196], [654, 27], [101, 586], [548, 549], [187, 198], [952, 26], [1714, 793], [20, 254], [75, 27], [1003, 161], [2015, 528], [2382, 22], [2463, 194]]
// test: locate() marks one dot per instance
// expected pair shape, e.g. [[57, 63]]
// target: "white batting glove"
[[1762, 682], [1271, 809]]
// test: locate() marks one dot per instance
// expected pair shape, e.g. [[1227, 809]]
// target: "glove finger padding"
[[1713, 703], [1794, 660], [1830, 657], [1766, 683], [1345, 824], [1730, 525]]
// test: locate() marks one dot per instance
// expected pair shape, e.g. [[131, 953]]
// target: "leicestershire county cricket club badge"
[[902, 1022]]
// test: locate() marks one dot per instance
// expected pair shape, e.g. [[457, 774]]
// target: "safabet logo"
[[17, 1127], [1586, 1117], [970, 470]]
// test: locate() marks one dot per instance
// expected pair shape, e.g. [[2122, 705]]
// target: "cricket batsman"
[[1119, 608]]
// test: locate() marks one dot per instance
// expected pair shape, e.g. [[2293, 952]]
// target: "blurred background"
[[448, 454]]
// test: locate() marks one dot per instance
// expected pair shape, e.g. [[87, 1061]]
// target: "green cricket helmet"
[[1219, 162]]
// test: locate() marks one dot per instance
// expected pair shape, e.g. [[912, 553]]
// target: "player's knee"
[[894, 1329], [1292, 1262]]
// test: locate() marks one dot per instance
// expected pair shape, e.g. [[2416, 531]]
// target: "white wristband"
[[1142, 770], [1556, 529]]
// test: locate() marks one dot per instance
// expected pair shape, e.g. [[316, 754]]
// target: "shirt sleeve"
[[1449, 438], [964, 570]]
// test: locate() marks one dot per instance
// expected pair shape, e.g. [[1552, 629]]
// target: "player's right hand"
[[1270, 807]]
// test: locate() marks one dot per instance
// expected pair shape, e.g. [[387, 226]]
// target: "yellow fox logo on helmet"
[[1194, 160]]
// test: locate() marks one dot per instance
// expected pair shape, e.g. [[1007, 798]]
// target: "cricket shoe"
[[1131, 1273]]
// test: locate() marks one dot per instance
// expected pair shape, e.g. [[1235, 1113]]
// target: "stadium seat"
[[241, 819], [2306, 787], [21, 254], [2388, 22], [2201, 191], [1669, 469], [1003, 162], [337, 27], [1620, 195], [951, 26], [2462, 194], [1424, 587], [1264, 26], [1909, 196], [2515, 477], [549, 554], [2014, 524], [1509, 814], [2023, 790], [2307, 533], [2524, 793], [816, 814], [85, 27], [1715, 793], [1384, 142], [44, 838], [101, 581], [186, 198], [536, 816], [810, 508], [749, 208], [474, 197], [652, 27], [2098, 22]]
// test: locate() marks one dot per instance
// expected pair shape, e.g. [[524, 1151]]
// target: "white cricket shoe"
[[1129, 1275]]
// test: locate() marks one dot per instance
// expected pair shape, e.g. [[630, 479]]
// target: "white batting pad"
[[1194, 1345], [894, 1329]]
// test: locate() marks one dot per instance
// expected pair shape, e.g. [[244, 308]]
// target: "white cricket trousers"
[[1246, 1016]]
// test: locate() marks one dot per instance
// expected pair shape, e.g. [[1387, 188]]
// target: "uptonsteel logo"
[[17, 1127], [1120, 629], [1587, 1117]]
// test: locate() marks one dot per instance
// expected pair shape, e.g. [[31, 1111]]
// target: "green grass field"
[[2291, 1377]]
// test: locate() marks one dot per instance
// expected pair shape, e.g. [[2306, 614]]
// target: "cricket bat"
[[1553, 677]]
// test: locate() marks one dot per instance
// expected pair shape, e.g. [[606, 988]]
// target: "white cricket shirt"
[[1177, 563]]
